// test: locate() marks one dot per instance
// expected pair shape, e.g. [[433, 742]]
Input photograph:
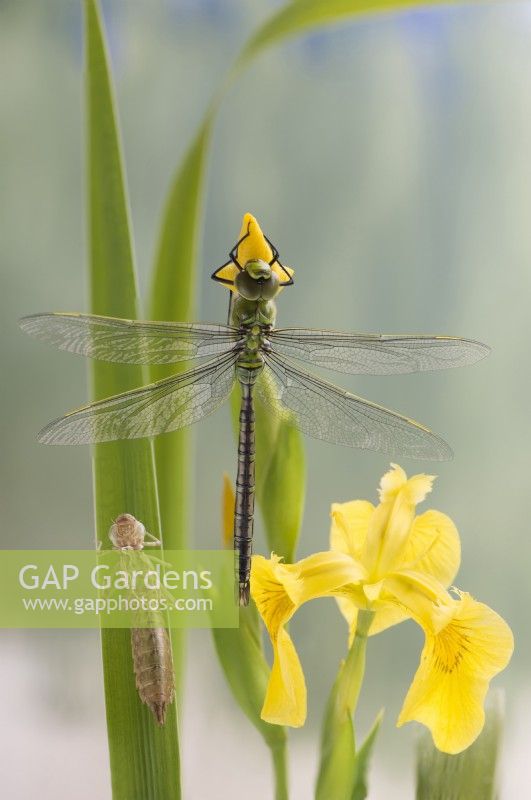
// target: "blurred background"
[[389, 162]]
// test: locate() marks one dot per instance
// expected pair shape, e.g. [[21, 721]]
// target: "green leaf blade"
[[173, 293], [144, 758], [282, 491], [340, 776], [242, 659], [173, 285], [336, 774], [240, 654], [301, 16], [360, 788]]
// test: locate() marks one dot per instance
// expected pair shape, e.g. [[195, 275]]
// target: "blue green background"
[[389, 162]]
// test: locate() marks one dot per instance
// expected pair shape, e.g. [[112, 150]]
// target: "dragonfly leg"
[[234, 252], [154, 542]]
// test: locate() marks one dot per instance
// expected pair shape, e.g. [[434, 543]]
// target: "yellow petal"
[[390, 524], [391, 483], [350, 523], [387, 610], [433, 547], [386, 614], [426, 600], [398, 597], [373, 591], [396, 480], [227, 275], [348, 534], [273, 589], [285, 700], [456, 667], [281, 273], [254, 245], [323, 574], [278, 590]]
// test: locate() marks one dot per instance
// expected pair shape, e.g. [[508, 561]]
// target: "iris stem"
[[338, 742], [351, 676], [280, 767]]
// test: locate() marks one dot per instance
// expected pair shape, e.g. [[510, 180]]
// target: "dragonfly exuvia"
[[249, 350], [150, 646]]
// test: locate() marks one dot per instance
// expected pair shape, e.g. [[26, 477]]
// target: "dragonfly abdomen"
[[153, 666], [245, 487]]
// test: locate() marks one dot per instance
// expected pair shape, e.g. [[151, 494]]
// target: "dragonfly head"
[[257, 281], [258, 269]]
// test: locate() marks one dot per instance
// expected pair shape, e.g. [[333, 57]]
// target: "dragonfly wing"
[[130, 341], [161, 407], [327, 412], [375, 354]]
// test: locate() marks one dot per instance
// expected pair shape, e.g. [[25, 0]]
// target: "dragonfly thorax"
[[246, 313], [251, 357]]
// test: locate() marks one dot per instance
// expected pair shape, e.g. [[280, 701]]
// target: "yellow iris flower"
[[252, 245], [386, 559]]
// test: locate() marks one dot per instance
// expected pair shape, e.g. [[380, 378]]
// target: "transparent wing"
[[158, 408], [327, 412], [375, 354], [130, 341]]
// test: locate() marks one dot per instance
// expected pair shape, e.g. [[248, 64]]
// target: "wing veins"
[[359, 353], [131, 341], [365, 420], [99, 415]]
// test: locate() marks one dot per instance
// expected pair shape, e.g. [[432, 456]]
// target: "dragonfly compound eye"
[[270, 287], [247, 286], [257, 281]]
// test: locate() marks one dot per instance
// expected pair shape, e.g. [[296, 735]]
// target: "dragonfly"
[[265, 361]]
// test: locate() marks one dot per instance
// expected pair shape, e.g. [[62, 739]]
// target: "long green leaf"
[[300, 16], [173, 298], [144, 758], [282, 491], [362, 761], [242, 659], [241, 655]]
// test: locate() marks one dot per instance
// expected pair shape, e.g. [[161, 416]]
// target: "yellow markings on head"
[[252, 246]]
